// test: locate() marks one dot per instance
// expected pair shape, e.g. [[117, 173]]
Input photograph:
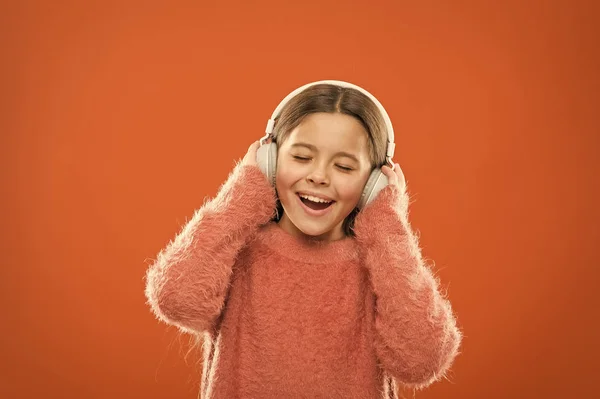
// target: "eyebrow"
[[339, 153]]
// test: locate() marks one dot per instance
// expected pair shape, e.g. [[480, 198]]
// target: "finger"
[[387, 171], [400, 176], [397, 170], [254, 146]]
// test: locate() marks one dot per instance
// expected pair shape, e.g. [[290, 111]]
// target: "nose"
[[318, 175]]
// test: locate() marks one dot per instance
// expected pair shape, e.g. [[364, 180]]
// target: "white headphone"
[[266, 155]]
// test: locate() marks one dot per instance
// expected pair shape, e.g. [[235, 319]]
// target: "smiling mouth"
[[317, 206]]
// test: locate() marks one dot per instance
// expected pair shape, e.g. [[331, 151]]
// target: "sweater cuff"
[[248, 196], [387, 214]]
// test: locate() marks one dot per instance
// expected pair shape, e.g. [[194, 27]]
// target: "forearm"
[[187, 284], [416, 334]]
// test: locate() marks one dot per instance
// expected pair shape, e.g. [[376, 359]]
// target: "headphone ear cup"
[[266, 158], [376, 182]]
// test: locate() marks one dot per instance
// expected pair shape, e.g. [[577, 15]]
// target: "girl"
[[300, 294]]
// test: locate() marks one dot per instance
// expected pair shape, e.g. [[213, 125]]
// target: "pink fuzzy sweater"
[[291, 318]]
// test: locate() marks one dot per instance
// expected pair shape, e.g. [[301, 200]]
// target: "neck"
[[335, 234], [307, 250]]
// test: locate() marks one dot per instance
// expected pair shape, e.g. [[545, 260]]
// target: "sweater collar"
[[303, 250]]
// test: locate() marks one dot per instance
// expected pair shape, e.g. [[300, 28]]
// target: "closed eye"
[[344, 168]]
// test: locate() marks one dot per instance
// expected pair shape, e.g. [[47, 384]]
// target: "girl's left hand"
[[395, 177]]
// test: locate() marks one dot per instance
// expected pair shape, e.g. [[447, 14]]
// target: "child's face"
[[311, 161]]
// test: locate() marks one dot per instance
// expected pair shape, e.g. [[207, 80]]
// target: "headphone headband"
[[388, 123]]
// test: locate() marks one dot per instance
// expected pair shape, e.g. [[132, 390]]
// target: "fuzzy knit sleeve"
[[186, 285], [416, 334]]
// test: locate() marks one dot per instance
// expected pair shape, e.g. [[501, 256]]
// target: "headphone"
[[266, 155]]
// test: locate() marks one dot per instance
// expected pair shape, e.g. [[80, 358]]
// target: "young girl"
[[298, 292]]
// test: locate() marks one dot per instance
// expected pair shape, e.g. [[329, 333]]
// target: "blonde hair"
[[331, 99]]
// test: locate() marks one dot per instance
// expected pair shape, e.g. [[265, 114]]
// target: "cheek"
[[286, 177], [350, 188], [350, 191]]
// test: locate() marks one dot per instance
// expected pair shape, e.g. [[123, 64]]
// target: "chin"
[[316, 229], [321, 227]]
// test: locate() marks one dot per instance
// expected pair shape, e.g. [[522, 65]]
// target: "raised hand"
[[395, 177]]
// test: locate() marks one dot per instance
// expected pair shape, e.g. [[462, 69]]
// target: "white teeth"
[[314, 199]]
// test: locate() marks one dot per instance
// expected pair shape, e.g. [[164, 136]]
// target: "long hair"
[[331, 98]]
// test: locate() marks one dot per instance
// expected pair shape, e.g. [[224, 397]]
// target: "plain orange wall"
[[118, 119]]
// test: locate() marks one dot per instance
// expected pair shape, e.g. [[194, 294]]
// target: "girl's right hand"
[[250, 157]]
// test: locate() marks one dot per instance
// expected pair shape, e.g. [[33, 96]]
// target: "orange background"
[[118, 119]]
